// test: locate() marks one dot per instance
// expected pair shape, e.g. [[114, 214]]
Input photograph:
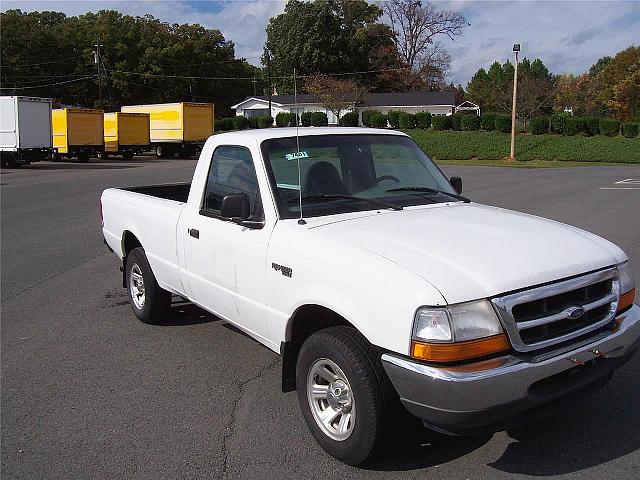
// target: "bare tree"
[[335, 94], [416, 26]]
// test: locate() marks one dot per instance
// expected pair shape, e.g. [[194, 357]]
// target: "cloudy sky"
[[569, 36]]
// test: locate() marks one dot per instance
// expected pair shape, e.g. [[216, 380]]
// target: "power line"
[[49, 84], [44, 63], [198, 77]]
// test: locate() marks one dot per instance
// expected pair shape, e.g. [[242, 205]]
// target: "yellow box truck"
[[77, 132], [125, 134], [177, 127]]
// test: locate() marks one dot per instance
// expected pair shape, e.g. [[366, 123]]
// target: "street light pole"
[[516, 49]]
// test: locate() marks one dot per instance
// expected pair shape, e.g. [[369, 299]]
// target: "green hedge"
[[456, 121], [539, 125], [319, 119], [630, 129], [407, 120], [305, 119], [224, 124], [503, 123], [349, 120], [241, 123], [265, 122], [286, 119], [488, 121], [591, 126], [450, 145], [378, 120], [366, 117], [441, 122], [394, 118], [470, 123], [423, 119], [609, 127], [573, 126], [557, 122]]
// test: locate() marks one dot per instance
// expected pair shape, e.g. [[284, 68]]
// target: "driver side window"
[[231, 171]]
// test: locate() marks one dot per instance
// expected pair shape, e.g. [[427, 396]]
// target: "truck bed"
[[178, 192]]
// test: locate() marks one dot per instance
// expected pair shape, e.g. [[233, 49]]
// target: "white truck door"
[[225, 261]]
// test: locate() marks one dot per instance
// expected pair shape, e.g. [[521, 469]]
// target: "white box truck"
[[25, 130]]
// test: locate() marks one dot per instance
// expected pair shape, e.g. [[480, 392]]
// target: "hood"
[[471, 251]]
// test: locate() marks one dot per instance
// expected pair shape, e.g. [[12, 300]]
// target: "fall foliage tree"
[[336, 94]]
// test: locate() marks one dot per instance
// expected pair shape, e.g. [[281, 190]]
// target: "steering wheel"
[[387, 177]]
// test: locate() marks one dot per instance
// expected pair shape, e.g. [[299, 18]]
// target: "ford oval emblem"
[[574, 313]]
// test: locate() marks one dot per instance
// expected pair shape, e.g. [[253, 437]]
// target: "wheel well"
[[305, 321], [129, 242]]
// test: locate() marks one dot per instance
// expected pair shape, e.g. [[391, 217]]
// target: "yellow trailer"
[[177, 127], [126, 134], [77, 132]]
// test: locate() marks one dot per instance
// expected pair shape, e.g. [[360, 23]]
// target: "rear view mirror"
[[235, 206], [456, 183]]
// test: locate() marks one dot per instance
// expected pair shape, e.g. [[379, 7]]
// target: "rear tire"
[[83, 157], [103, 155], [127, 156], [150, 303], [357, 393]]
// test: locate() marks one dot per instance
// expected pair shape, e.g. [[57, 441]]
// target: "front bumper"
[[492, 394]]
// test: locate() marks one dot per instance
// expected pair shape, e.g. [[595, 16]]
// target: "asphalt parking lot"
[[90, 392]]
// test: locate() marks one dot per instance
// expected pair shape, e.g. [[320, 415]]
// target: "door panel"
[[225, 261]]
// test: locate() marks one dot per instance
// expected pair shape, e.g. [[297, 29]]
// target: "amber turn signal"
[[626, 300], [452, 352]]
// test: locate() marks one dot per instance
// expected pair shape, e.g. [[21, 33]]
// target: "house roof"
[[394, 99]]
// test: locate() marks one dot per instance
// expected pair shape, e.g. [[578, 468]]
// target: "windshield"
[[346, 173]]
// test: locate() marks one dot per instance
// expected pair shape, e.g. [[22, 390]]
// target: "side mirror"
[[456, 183], [235, 206]]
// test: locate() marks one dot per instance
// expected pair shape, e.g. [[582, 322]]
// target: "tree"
[[597, 67], [144, 60], [493, 90], [336, 95], [618, 85], [416, 28], [325, 37], [578, 93]]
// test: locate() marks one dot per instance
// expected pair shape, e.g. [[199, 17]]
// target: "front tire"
[[150, 303], [343, 393]]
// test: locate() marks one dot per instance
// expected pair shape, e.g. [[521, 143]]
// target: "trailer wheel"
[[11, 160], [103, 155], [83, 157], [127, 156], [160, 152]]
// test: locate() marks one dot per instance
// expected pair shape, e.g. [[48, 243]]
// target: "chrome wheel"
[[136, 286], [331, 399]]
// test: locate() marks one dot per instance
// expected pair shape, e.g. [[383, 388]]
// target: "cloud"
[[569, 36]]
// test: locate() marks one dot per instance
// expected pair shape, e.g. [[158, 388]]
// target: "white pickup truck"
[[348, 252]]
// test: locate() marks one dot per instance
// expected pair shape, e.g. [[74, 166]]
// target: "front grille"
[[554, 313]]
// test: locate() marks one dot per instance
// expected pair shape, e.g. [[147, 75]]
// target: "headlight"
[[627, 286], [457, 332]]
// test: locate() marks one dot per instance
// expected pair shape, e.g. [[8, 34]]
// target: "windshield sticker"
[[296, 155]]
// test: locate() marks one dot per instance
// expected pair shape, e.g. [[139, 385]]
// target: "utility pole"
[[254, 81], [98, 62], [516, 49], [269, 80]]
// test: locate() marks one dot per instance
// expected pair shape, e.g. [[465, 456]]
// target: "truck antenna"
[[295, 103]]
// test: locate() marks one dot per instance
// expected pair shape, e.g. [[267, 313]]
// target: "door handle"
[[194, 233]]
